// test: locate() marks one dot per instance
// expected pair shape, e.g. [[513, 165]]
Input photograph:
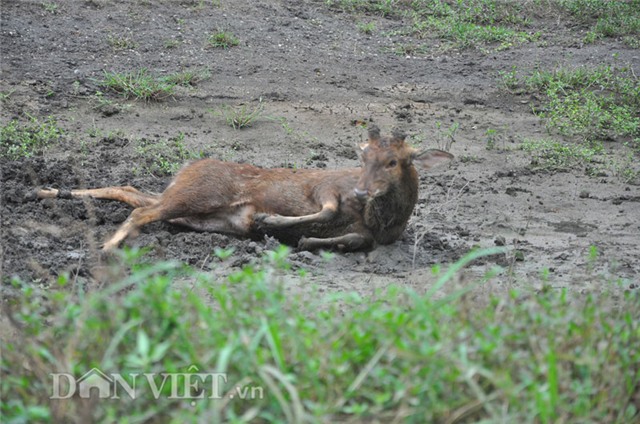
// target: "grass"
[[461, 24], [121, 42], [397, 355], [499, 24], [615, 19], [50, 7], [142, 85], [23, 140], [223, 40], [553, 155], [164, 157], [366, 27], [590, 107], [242, 116]]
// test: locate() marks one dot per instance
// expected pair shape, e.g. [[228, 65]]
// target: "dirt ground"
[[316, 75]]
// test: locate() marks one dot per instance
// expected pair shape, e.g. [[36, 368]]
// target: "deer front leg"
[[346, 243], [328, 212]]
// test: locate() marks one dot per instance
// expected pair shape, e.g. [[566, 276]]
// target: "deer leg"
[[328, 212], [135, 221], [347, 242], [125, 194]]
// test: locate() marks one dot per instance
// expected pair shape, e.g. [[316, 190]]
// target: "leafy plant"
[[121, 42], [223, 39], [164, 157], [242, 116], [557, 156], [367, 28], [25, 140]]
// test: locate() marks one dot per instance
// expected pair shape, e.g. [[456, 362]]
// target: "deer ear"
[[363, 146], [397, 138], [429, 158], [374, 133]]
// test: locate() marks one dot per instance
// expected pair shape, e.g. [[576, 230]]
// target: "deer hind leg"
[[124, 194], [138, 218], [346, 243]]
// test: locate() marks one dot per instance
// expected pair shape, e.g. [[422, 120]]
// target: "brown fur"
[[348, 209]]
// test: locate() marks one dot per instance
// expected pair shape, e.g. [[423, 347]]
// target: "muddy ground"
[[316, 75]]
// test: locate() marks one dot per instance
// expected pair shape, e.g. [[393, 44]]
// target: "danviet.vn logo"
[[173, 385]]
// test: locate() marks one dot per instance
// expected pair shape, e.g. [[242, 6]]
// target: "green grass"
[[23, 140], [366, 27], [590, 108], [164, 157], [499, 24], [521, 356], [461, 24], [223, 40], [242, 116], [591, 104], [121, 42], [617, 19], [554, 155], [142, 85]]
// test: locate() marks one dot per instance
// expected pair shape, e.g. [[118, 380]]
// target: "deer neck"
[[387, 215]]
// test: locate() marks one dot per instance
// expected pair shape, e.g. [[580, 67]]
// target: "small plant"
[[50, 7], [164, 157], [4, 96], [491, 135], [553, 155], [139, 85], [366, 28], [223, 39], [171, 43], [121, 42], [445, 138], [509, 80], [242, 116], [25, 140]]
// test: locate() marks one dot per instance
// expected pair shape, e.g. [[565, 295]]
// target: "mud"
[[317, 75]]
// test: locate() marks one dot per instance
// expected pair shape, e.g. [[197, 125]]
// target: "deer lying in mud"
[[345, 209]]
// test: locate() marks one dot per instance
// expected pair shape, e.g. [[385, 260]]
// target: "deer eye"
[[392, 163]]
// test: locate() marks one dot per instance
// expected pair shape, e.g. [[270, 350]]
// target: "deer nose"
[[361, 194]]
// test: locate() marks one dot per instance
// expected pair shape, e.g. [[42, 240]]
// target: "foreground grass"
[[400, 355]]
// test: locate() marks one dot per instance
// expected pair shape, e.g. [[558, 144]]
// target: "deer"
[[349, 209]]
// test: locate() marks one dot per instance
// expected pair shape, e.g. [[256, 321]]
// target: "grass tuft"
[[164, 157], [26, 140], [223, 40]]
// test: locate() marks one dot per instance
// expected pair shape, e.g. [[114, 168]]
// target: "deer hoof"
[[264, 220], [302, 243]]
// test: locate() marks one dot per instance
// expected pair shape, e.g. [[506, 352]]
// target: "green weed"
[[25, 140], [50, 7], [242, 116], [366, 27], [516, 357], [164, 157], [121, 42], [223, 40], [553, 155], [141, 85], [620, 19]]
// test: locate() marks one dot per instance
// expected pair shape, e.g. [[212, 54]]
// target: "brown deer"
[[346, 209]]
